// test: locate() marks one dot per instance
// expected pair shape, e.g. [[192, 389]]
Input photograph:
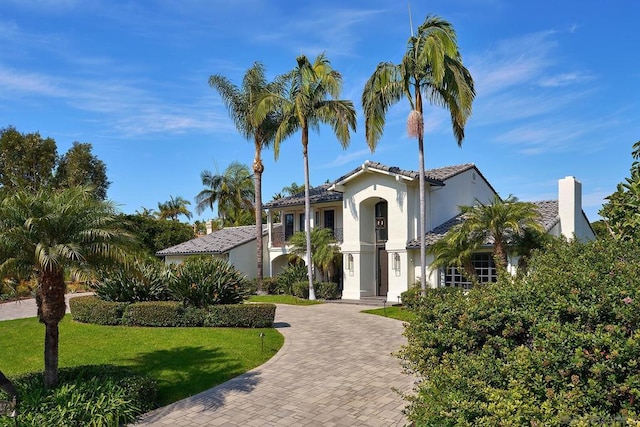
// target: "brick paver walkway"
[[335, 369]]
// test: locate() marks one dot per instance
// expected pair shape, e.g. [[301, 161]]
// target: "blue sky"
[[558, 87]]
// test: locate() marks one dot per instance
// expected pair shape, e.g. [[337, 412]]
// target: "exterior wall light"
[[396, 262], [350, 264]]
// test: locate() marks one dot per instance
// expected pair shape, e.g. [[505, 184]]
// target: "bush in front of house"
[[140, 281], [241, 315], [162, 313], [270, 285], [205, 281], [290, 275], [411, 297], [300, 289], [326, 290], [558, 346], [91, 309], [101, 396]]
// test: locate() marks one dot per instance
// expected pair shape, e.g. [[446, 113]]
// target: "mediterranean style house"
[[374, 214]]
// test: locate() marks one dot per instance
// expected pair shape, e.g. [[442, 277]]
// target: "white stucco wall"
[[460, 190]]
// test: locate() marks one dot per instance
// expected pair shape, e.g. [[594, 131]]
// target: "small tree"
[[47, 232], [325, 252]]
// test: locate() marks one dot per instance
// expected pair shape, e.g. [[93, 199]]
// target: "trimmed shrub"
[[326, 290], [241, 315], [411, 297], [290, 275], [140, 281], [153, 313], [270, 285], [98, 396], [204, 281], [301, 290], [91, 309], [558, 346]]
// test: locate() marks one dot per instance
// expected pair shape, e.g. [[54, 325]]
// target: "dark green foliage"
[[157, 234], [154, 313], [26, 160], [91, 309], [327, 290], [79, 166], [204, 281], [300, 290], [411, 297], [137, 282], [291, 274], [86, 396], [620, 213], [558, 346], [271, 285], [241, 315]]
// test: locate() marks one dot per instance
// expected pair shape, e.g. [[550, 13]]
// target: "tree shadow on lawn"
[[185, 371]]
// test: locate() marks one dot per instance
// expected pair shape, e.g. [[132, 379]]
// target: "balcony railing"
[[279, 238]]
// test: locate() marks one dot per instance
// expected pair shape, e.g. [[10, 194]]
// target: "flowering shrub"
[[559, 346]]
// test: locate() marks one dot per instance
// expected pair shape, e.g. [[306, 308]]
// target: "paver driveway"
[[335, 369]]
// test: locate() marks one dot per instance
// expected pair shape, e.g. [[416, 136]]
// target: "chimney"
[[569, 205], [209, 225]]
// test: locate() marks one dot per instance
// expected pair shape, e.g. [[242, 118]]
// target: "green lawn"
[[282, 299], [395, 312], [184, 361]]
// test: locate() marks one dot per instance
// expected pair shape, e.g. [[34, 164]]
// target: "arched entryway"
[[373, 236]]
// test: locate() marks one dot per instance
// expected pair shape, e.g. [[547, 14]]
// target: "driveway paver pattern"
[[336, 368]]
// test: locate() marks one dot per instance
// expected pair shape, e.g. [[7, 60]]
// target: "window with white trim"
[[485, 268]]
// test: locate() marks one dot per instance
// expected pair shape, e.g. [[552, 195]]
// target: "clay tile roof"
[[218, 242], [548, 218], [322, 193], [318, 194]]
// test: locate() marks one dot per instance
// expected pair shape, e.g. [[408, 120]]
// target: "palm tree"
[[173, 208], [431, 68], [45, 233], [307, 106], [499, 222], [455, 250], [233, 191], [241, 104], [292, 189], [325, 252]]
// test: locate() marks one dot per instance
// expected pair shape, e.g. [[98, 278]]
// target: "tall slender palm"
[[173, 208], [500, 222], [45, 233], [241, 104], [432, 69], [233, 191], [306, 106]]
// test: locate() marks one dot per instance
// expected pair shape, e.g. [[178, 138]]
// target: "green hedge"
[[300, 289], [241, 315], [161, 313], [327, 290], [91, 309]]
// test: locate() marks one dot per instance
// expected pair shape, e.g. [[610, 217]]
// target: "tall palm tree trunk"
[[423, 208], [258, 168], [307, 209], [51, 310]]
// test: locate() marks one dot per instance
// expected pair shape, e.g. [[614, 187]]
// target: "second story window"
[[381, 221], [288, 225], [329, 220], [301, 225]]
